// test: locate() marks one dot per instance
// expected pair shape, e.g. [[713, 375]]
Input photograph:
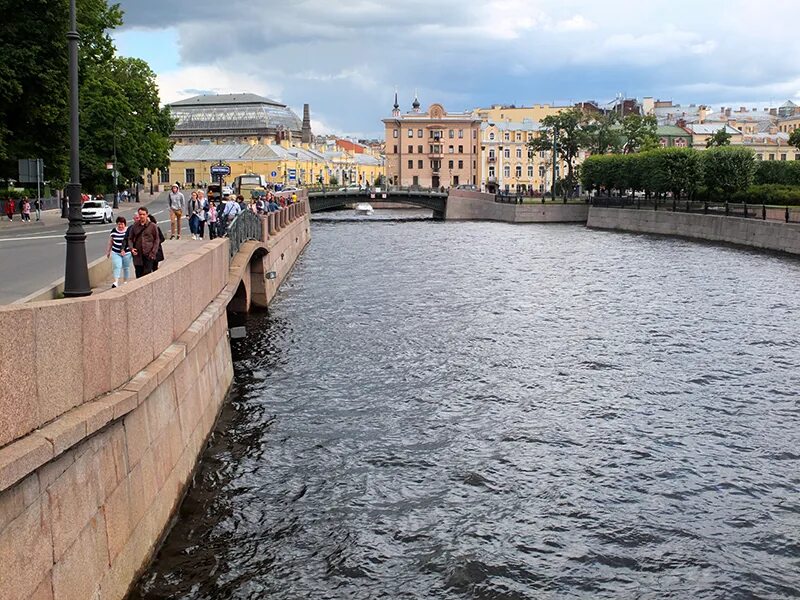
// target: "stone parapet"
[[465, 205], [755, 233]]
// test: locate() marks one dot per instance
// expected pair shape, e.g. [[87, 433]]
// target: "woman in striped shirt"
[[119, 251]]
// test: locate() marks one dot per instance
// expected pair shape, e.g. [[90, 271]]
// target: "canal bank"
[[465, 205], [754, 233], [99, 441]]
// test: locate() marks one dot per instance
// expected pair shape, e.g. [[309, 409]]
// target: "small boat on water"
[[364, 208]]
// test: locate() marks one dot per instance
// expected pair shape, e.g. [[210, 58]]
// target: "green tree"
[[602, 135], [569, 126], [119, 97], [639, 133], [728, 169], [720, 138], [676, 170], [794, 137]]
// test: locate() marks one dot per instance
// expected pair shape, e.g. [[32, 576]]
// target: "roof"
[[524, 125], [217, 99], [711, 129], [672, 130], [241, 152]]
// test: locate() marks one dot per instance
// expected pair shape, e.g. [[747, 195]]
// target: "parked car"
[[467, 186], [351, 188], [97, 210]]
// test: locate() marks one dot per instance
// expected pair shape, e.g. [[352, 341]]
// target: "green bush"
[[775, 194], [777, 172]]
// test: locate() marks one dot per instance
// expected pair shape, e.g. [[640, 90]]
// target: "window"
[[530, 155], [411, 164], [450, 164], [507, 153], [518, 171], [395, 133], [461, 149], [419, 149], [411, 133], [410, 149], [506, 136], [491, 154], [491, 136], [530, 171], [451, 134], [461, 134], [506, 171], [461, 164], [772, 157], [797, 156], [415, 181], [395, 149], [519, 136], [164, 175], [759, 157], [189, 175], [541, 171], [419, 133], [419, 164], [491, 172], [519, 152], [783, 157], [474, 134], [450, 149]]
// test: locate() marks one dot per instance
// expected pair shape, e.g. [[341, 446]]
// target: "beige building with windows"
[[432, 149], [508, 164], [503, 113]]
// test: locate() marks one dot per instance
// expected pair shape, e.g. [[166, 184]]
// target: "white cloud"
[[191, 81], [576, 23]]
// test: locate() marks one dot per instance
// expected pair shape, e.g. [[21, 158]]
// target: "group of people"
[[24, 209], [200, 210], [138, 245]]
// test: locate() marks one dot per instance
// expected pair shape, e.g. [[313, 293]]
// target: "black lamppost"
[[76, 271]]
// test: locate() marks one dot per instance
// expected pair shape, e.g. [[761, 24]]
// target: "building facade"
[[432, 149]]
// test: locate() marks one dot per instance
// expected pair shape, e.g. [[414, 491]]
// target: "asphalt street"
[[32, 256]]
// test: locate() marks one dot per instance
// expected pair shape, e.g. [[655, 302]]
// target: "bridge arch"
[[330, 200]]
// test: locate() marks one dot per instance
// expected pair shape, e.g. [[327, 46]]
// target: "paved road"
[[32, 256]]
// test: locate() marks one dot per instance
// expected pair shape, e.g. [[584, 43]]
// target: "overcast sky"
[[346, 57]]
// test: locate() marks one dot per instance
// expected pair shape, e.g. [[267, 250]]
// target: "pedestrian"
[[144, 242], [120, 252], [191, 214], [10, 209], [212, 220], [177, 206], [26, 210], [202, 214], [294, 197], [160, 251], [21, 207], [38, 206], [232, 208]]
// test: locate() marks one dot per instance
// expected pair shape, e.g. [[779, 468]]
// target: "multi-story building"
[[507, 162], [505, 113], [432, 149]]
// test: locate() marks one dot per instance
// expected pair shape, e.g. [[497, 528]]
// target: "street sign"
[[31, 170], [273, 174], [218, 170], [292, 174], [109, 166]]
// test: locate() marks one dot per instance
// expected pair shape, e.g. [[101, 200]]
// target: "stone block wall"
[[84, 524], [468, 205], [768, 235]]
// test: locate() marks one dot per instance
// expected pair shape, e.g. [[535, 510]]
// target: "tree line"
[[119, 101]]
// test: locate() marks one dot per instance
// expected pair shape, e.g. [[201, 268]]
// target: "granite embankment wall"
[[477, 206], [769, 235], [106, 404]]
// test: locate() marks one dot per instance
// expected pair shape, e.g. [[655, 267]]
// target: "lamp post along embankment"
[[76, 269]]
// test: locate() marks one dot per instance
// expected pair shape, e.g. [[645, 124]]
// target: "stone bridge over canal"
[[321, 200]]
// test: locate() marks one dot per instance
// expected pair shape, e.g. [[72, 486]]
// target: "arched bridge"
[[320, 200]]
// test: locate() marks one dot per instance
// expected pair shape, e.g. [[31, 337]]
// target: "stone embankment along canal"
[[101, 438]]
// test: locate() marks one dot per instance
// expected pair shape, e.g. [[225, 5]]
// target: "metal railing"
[[765, 212], [246, 226]]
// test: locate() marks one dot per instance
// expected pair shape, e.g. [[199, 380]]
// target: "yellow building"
[[773, 145], [190, 165], [789, 124], [499, 113], [507, 162]]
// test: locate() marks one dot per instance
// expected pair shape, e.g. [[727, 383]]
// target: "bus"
[[245, 185]]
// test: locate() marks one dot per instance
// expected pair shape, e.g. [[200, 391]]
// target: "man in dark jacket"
[[144, 242]]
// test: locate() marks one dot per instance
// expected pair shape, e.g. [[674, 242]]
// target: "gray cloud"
[[346, 57]]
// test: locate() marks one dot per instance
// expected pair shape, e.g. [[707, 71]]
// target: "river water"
[[481, 410]]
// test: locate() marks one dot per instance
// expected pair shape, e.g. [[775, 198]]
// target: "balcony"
[[492, 159]]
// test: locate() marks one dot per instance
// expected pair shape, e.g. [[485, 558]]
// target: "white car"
[[97, 210]]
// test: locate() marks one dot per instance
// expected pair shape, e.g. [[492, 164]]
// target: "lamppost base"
[[76, 271]]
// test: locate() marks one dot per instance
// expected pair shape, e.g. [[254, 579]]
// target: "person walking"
[[177, 206], [191, 214], [26, 210], [37, 205], [144, 243], [119, 251], [160, 252], [212, 220], [202, 214], [10, 209]]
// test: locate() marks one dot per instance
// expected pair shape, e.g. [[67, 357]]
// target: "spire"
[[416, 103], [396, 107], [305, 136]]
